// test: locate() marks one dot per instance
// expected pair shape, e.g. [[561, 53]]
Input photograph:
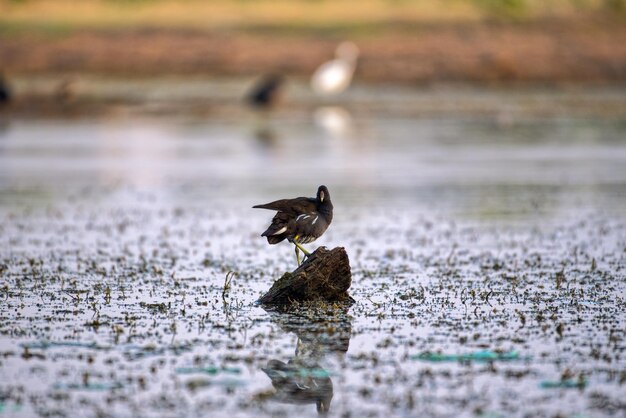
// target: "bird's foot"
[[302, 260]]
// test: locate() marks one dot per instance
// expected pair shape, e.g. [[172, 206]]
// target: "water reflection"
[[300, 382], [467, 167], [322, 333], [336, 121], [4, 127], [266, 136]]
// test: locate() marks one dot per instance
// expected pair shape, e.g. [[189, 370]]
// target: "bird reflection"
[[300, 382], [321, 334], [263, 97], [335, 120], [265, 135], [335, 76], [4, 127]]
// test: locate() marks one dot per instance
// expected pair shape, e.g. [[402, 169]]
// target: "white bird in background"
[[335, 76]]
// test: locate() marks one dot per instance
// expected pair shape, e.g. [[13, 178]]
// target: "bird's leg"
[[298, 255], [301, 248]]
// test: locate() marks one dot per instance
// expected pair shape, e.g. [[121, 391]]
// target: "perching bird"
[[301, 220], [335, 76], [267, 92]]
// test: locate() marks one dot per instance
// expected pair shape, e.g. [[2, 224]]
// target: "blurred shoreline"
[[589, 51], [58, 96]]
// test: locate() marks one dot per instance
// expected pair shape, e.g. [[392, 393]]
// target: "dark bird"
[[301, 220], [267, 92], [5, 91]]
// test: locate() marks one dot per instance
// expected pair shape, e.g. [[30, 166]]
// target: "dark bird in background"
[[301, 220], [5, 91], [267, 92]]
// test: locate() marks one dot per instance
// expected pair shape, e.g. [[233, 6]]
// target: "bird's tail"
[[264, 206]]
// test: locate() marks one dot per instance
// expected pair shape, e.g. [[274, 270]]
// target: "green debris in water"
[[44, 345], [91, 387], [304, 372], [480, 356], [317, 373], [4, 407], [563, 384], [212, 370], [199, 383]]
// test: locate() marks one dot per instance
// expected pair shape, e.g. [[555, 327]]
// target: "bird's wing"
[[295, 206], [279, 225]]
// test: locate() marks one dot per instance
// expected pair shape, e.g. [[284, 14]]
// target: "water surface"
[[487, 253]]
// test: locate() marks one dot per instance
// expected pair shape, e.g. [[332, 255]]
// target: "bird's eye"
[[321, 196]]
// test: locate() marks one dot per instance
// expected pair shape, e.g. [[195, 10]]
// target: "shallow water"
[[488, 259]]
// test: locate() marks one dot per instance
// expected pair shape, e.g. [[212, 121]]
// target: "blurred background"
[[472, 148], [417, 42], [490, 107]]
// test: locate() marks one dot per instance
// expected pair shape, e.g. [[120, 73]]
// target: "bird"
[[301, 220], [335, 76], [5, 90], [266, 92]]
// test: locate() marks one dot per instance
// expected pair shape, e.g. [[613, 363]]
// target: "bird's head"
[[322, 194]]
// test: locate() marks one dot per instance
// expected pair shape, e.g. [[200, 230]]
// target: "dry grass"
[[400, 40], [214, 14]]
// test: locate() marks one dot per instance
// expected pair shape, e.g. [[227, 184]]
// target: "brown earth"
[[538, 52]]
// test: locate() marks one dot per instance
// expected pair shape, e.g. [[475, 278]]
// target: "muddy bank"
[[558, 51]]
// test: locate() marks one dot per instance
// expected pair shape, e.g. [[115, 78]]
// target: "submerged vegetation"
[[110, 309]]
